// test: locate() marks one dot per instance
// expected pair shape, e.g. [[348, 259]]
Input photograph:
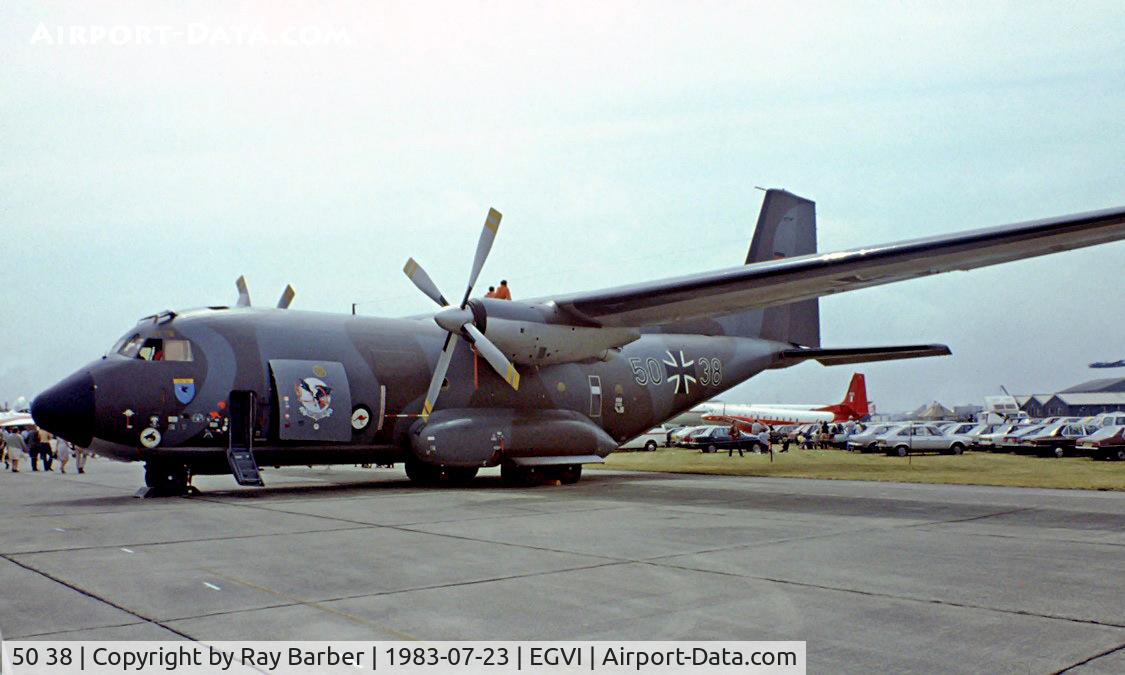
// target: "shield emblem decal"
[[185, 389]]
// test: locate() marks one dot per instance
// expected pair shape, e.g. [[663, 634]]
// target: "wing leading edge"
[[783, 281]]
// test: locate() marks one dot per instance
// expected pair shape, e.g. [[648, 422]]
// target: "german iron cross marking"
[[679, 371]]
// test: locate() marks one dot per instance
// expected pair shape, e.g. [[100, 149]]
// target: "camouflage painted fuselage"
[[374, 394]]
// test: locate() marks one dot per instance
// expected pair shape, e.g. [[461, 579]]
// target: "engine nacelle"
[[539, 334], [467, 437]]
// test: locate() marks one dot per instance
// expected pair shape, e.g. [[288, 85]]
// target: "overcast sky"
[[321, 144]]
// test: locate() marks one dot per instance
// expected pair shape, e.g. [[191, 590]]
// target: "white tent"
[[933, 411]]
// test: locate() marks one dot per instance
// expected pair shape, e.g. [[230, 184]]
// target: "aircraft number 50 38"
[[648, 371]]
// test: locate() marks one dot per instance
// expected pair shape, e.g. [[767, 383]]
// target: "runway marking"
[[59, 529], [905, 598], [212, 586], [294, 601], [319, 604], [1095, 657], [127, 550], [99, 598], [192, 541]]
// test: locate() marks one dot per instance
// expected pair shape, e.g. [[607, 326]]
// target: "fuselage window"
[[157, 349], [177, 350]]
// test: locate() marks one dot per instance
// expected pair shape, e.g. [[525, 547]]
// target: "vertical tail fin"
[[787, 228], [856, 398], [855, 405]]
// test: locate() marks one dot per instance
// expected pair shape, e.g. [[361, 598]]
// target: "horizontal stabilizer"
[[839, 357]]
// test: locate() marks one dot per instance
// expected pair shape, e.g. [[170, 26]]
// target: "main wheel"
[[428, 474], [420, 472], [519, 476], [458, 475], [569, 475], [650, 446], [167, 478]]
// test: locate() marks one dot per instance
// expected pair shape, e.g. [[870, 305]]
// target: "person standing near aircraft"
[[503, 293], [735, 436], [16, 448], [764, 438], [491, 292], [41, 449], [63, 450], [80, 456]]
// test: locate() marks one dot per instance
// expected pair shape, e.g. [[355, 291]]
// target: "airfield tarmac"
[[875, 576]]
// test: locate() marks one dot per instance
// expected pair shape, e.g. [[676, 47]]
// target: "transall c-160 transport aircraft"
[[539, 387]]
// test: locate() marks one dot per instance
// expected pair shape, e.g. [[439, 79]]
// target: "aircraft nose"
[[67, 409]]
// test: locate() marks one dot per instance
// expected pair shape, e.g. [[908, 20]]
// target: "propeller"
[[244, 294], [286, 297], [458, 321]]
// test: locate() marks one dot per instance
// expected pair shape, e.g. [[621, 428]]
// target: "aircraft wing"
[[783, 281]]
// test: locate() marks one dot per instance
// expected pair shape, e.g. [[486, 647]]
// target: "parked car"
[[1114, 419], [866, 440], [719, 438], [959, 428], [989, 440], [1107, 442], [648, 441], [681, 435], [688, 440], [1010, 442], [914, 438], [1058, 440]]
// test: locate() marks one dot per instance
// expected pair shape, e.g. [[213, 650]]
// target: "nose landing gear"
[[166, 479]]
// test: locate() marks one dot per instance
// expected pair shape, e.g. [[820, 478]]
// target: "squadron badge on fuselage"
[[314, 397], [184, 388]]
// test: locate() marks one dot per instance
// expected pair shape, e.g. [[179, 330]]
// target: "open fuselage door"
[[240, 452]]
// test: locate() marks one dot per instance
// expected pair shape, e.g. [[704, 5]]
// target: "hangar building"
[[1088, 398]]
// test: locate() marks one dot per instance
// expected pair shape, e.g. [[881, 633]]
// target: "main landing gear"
[[165, 479], [428, 474], [513, 475], [523, 476]]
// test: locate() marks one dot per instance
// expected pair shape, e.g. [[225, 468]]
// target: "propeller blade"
[[484, 245], [439, 375], [286, 297], [243, 293], [423, 281], [494, 356]]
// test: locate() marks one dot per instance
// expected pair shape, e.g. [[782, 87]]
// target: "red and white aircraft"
[[854, 406]]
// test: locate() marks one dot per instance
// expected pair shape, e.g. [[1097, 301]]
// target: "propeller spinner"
[[458, 321]]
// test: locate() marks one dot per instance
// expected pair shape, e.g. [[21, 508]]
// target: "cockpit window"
[[157, 349], [130, 346]]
